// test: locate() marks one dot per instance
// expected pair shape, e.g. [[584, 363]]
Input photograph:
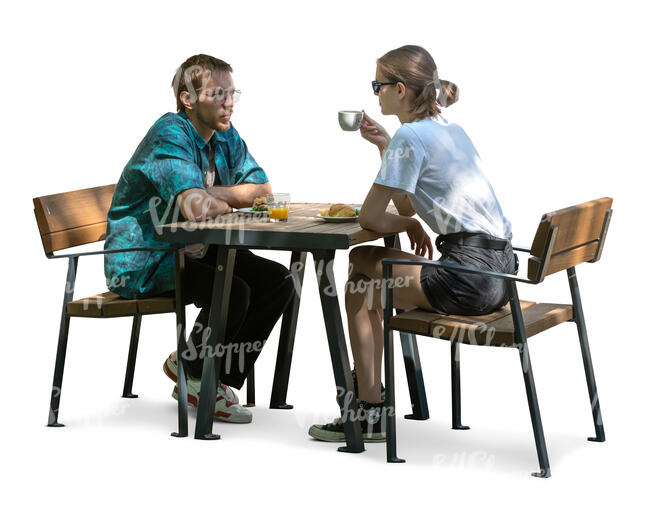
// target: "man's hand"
[[241, 195]]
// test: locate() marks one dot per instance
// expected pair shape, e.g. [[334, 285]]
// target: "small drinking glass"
[[278, 206]]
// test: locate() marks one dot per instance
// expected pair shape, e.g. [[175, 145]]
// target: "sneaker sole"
[[333, 436], [222, 416]]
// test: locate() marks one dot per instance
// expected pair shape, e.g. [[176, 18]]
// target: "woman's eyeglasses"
[[376, 85]]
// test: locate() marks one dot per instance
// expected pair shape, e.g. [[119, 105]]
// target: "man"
[[194, 162]]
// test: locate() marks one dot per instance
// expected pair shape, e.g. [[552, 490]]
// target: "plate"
[[338, 219], [249, 210]]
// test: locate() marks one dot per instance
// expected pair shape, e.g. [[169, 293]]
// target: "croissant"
[[341, 210]]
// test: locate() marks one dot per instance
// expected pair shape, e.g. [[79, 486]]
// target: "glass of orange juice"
[[278, 206]]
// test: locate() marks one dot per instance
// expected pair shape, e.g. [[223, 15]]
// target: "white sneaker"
[[227, 407]]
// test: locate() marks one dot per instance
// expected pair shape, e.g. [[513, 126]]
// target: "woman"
[[430, 167]]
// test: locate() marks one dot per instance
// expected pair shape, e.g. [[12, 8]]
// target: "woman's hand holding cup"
[[374, 132]]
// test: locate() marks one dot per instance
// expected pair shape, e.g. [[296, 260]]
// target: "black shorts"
[[462, 293]]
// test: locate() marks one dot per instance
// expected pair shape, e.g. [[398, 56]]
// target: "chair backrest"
[[73, 218], [568, 237]]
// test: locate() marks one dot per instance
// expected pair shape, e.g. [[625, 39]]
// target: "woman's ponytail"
[[448, 93], [415, 67], [425, 103]]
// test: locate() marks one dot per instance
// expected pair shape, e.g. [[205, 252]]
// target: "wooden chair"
[[564, 239], [75, 218]]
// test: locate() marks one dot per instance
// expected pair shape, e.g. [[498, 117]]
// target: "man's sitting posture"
[[194, 162]]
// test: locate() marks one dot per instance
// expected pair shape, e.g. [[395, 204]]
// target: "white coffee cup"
[[350, 120]]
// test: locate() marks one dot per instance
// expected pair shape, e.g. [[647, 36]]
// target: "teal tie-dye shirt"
[[171, 158]]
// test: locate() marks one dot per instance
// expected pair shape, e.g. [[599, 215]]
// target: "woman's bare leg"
[[366, 338], [365, 311]]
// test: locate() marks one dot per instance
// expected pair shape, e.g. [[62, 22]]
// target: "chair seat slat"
[[493, 329], [110, 305]]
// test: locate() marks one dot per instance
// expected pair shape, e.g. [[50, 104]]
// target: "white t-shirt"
[[436, 164]]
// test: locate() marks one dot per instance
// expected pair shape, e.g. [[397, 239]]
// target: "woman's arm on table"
[[403, 205], [373, 216]]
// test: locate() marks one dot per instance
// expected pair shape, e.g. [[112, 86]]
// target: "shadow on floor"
[[423, 443]]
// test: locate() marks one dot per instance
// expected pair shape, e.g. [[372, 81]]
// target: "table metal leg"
[[324, 264], [287, 335], [250, 388], [411, 356], [212, 359]]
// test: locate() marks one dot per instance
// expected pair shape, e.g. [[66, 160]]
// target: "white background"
[[555, 98]]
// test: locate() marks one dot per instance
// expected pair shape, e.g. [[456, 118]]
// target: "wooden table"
[[302, 233]]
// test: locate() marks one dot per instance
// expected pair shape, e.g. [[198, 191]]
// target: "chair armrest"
[[105, 251], [521, 248], [456, 267]]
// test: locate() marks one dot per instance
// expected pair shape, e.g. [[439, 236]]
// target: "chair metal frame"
[[520, 343], [127, 392]]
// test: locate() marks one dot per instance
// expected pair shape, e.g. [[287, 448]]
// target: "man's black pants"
[[261, 291]]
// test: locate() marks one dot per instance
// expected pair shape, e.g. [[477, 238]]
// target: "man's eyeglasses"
[[219, 95], [376, 85]]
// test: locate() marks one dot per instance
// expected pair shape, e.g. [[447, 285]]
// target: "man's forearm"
[[241, 195], [197, 205]]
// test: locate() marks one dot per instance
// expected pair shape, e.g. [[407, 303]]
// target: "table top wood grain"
[[302, 230]]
